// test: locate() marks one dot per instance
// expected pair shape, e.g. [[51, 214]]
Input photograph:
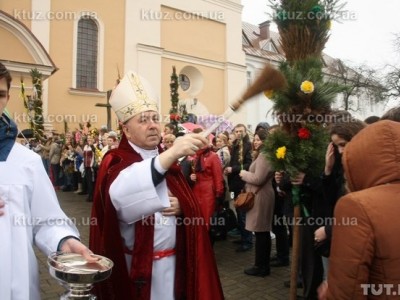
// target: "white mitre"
[[132, 96]]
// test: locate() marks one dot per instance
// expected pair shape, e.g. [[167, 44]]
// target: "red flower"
[[174, 117], [304, 133]]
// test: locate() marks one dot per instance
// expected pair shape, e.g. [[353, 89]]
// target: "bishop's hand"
[[174, 209], [183, 146], [189, 144]]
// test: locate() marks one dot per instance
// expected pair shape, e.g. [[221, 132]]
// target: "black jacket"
[[235, 183]]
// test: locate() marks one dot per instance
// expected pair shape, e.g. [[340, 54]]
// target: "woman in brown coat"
[[259, 218], [365, 256]]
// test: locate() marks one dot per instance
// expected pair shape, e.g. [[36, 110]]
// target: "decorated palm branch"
[[303, 26], [38, 126], [304, 105], [34, 105], [177, 113], [303, 111]]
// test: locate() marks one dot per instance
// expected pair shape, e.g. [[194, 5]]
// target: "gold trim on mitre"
[[138, 100]]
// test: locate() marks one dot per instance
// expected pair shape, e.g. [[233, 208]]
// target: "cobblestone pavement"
[[236, 284]]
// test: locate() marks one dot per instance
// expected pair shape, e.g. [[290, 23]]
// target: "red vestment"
[[196, 275]]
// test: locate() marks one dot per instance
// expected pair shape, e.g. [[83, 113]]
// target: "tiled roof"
[[253, 45], [263, 53], [252, 34]]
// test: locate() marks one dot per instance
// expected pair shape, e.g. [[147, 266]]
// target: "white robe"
[[134, 197], [31, 215]]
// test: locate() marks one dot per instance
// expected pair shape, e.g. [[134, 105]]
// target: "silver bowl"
[[77, 275]]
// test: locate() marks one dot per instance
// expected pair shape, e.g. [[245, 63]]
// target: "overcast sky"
[[366, 37]]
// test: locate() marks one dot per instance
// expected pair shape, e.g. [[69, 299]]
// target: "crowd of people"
[[243, 168], [72, 159], [150, 187]]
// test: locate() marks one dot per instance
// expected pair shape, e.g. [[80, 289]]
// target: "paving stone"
[[235, 283]]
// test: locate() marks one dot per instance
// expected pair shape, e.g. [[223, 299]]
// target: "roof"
[[254, 45], [270, 49]]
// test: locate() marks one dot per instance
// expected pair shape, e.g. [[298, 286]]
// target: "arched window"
[[87, 54]]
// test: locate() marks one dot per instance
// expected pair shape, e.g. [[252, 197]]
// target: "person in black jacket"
[[333, 182], [240, 160], [310, 273]]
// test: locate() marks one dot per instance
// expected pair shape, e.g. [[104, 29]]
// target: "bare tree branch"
[[361, 82]]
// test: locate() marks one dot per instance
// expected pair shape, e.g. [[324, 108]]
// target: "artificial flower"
[[174, 117], [304, 133], [269, 93], [307, 87], [281, 152]]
